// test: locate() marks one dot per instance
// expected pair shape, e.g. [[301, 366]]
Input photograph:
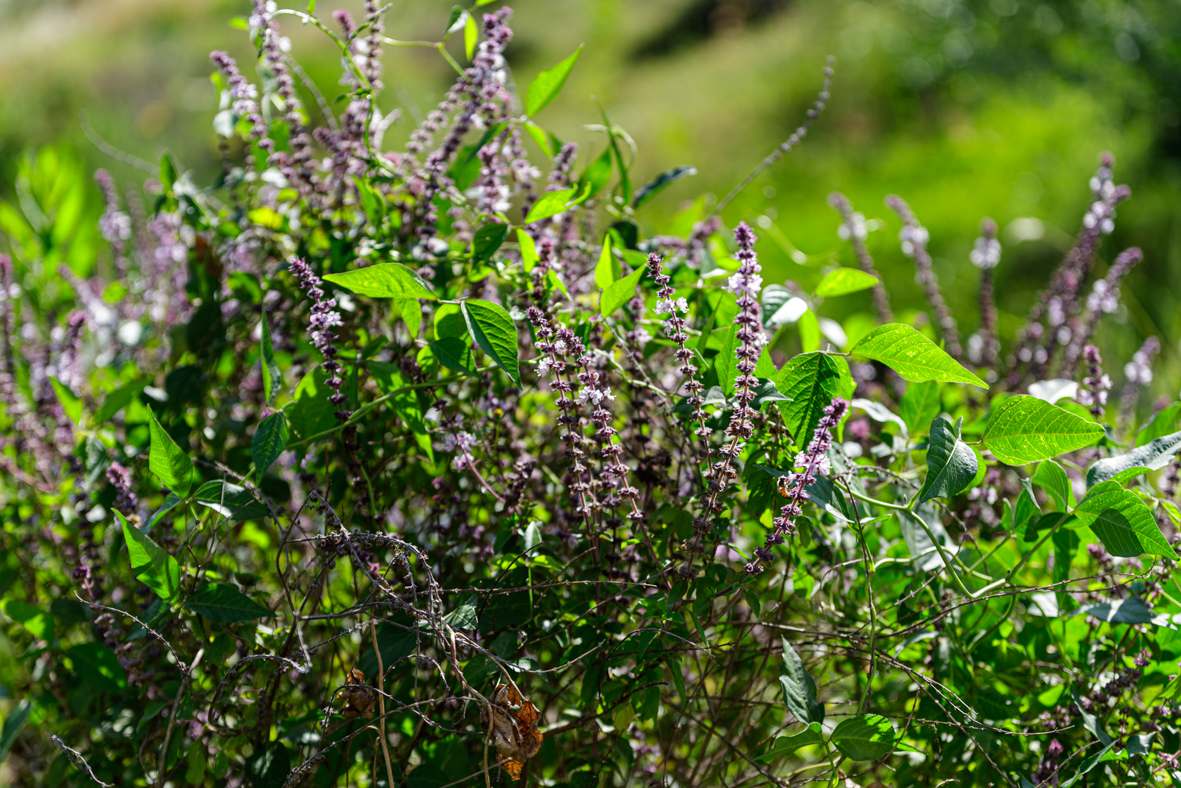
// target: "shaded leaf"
[[786, 745], [913, 356], [230, 500], [661, 182], [225, 604], [1121, 611], [117, 400], [920, 405], [494, 332], [1122, 522], [811, 381], [487, 240], [38, 622], [1051, 477], [864, 738], [951, 463], [98, 666], [454, 354], [268, 442], [165, 459], [1152, 456], [13, 724], [151, 564], [799, 690]]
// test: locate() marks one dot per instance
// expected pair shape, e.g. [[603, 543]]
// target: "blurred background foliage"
[[966, 108]]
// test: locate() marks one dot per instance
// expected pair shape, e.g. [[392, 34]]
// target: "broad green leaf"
[[1024, 429], [464, 616], [454, 354], [494, 332], [660, 183], [1051, 477], [310, 412], [1161, 425], [117, 400], [449, 322], [1152, 456], [487, 240], [913, 356], [528, 249], [1122, 521], [786, 745], [411, 312], [471, 34], [37, 621], [619, 292], [864, 738], [540, 137], [98, 666], [13, 724], [230, 500], [395, 644], [385, 280], [843, 281], [951, 463], [195, 770], [809, 327], [550, 204], [153, 567], [1120, 611], [404, 401], [607, 270], [920, 405], [268, 443], [595, 176], [546, 85], [799, 690], [70, 402], [172, 466], [811, 381], [272, 377], [225, 604]]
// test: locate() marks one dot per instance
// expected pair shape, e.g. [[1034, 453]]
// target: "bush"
[[412, 468]]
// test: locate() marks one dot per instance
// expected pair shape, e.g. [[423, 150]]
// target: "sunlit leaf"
[[385, 280], [912, 355], [843, 281], [494, 332], [1024, 429], [546, 85]]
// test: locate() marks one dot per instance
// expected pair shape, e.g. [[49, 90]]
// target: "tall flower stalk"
[[745, 284], [812, 462], [325, 319], [913, 238], [985, 255], [1103, 300], [855, 230]]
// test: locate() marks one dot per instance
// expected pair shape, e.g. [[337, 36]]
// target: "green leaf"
[[809, 327], [1152, 456], [37, 621], [608, 269], [1024, 429], [880, 413], [411, 312], [310, 412], [864, 738], [98, 666], [165, 459], [494, 332], [799, 690], [272, 377], [487, 240], [595, 176], [1161, 425], [195, 770], [726, 361], [619, 292], [843, 281], [550, 204], [225, 604], [1122, 521], [1051, 477], [786, 745], [540, 137], [464, 616], [471, 34], [660, 183], [913, 356], [268, 443], [546, 85], [230, 500], [528, 249], [117, 400], [811, 381], [385, 280], [70, 402], [951, 463], [153, 567], [454, 354], [1120, 611], [13, 724]]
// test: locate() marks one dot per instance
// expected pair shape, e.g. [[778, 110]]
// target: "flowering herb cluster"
[[441, 462]]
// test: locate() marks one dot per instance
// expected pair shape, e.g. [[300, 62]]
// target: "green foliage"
[[1024, 429]]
